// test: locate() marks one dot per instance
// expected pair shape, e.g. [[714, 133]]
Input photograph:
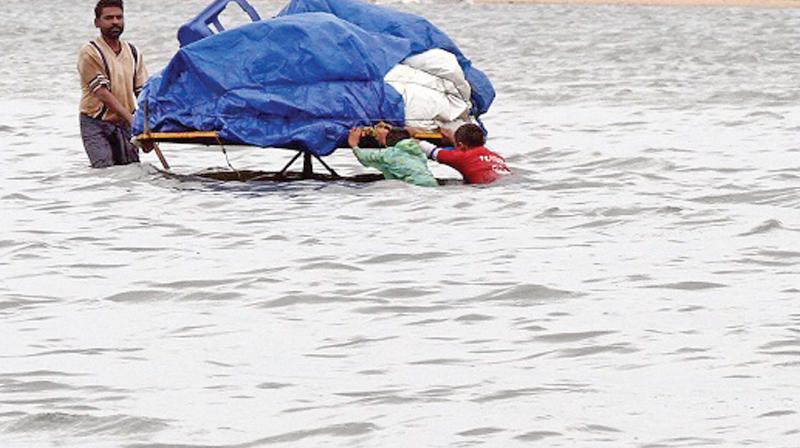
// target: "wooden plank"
[[198, 137], [212, 137], [156, 136]]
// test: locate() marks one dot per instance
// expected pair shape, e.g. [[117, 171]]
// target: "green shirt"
[[404, 161]]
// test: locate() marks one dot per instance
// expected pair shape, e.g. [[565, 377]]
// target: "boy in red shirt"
[[470, 157]]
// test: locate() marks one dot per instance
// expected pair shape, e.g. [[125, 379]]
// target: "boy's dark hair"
[[396, 135], [471, 135], [98, 10]]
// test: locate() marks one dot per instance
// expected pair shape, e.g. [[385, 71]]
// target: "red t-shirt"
[[478, 165]]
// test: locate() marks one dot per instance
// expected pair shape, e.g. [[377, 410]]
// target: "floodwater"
[[635, 285]]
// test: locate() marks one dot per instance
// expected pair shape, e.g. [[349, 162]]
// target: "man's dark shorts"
[[107, 143]]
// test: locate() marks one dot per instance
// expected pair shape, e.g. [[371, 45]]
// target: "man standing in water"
[[112, 74]]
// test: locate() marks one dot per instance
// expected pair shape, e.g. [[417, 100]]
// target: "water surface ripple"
[[635, 284]]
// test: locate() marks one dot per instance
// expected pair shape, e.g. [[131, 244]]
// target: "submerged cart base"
[[288, 176], [211, 138]]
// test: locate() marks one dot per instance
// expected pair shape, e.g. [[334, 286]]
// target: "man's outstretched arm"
[[105, 95]]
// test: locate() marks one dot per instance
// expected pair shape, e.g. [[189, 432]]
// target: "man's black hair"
[[98, 10], [471, 135], [396, 135]]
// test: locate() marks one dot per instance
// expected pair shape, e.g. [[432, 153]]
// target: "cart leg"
[[283, 171], [330, 170], [308, 169]]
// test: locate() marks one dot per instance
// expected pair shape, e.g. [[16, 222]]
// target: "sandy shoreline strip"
[[721, 3]]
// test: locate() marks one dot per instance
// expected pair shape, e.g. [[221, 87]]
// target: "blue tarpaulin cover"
[[422, 34], [300, 80]]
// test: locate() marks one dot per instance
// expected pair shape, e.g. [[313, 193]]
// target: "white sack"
[[434, 89]]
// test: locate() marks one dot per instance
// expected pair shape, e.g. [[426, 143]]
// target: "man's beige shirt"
[[121, 73]]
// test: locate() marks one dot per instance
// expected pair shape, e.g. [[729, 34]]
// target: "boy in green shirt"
[[401, 159]]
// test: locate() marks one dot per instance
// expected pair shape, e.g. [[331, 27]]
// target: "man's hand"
[[125, 116], [448, 135], [129, 120], [414, 131], [354, 137], [126, 122], [148, 146]]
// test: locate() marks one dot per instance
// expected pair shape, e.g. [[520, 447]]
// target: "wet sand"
[[724, 3]]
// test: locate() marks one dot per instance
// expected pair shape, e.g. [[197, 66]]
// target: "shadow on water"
[[271, 181]]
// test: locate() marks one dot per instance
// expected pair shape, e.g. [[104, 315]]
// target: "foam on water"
[[633, 285]]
